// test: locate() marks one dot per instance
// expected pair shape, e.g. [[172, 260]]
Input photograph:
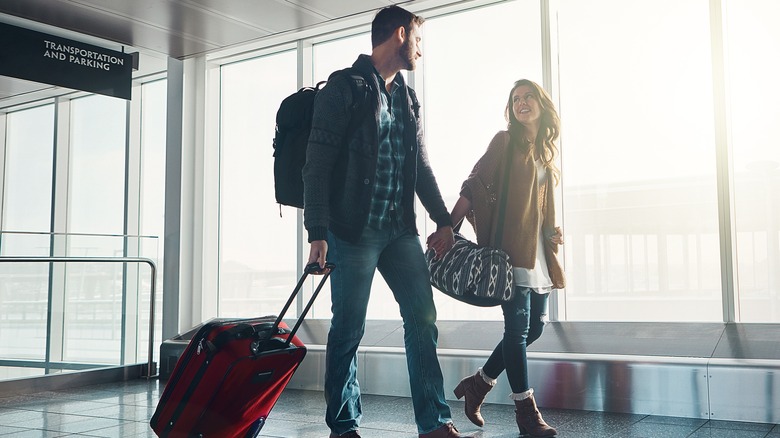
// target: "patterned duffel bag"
[[475, 275]]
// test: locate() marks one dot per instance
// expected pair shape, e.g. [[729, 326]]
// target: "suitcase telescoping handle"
[[311, 268]]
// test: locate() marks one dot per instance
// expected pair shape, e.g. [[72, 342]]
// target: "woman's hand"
[[557, 238]]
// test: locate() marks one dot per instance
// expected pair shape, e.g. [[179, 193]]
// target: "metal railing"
[[153, 267]]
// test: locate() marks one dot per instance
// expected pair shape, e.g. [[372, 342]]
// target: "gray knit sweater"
[[339, 176]]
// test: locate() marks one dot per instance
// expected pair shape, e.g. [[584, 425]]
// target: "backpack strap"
[[415, 102], [359, 86]]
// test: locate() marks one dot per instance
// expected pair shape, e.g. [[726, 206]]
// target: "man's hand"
[[441, 241], [318, 253]]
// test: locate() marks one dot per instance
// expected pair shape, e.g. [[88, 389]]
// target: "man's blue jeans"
[[398, 255]]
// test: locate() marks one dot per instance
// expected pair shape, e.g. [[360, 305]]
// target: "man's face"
[[410, 50]]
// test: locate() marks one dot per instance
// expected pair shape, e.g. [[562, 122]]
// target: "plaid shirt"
[[332, 204], [388, 190]]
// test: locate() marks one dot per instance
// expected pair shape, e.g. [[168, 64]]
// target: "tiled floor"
[[123, 409]]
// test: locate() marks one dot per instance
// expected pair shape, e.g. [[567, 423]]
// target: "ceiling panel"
[[190, 20], [272, 16], [338, 9]]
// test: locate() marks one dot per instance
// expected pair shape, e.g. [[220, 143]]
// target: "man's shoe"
[[446, 431], [350, 434]]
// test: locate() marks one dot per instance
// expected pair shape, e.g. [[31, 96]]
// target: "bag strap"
[[456, 228], [502, 202], [505, 189], [359, 86], [415, 102]]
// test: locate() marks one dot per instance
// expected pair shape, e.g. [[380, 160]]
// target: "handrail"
[[70, 234], [146, 260]]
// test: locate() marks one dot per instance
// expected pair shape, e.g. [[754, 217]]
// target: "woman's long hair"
[[549, 126]]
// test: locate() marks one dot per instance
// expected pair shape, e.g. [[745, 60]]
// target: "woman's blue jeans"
[[397, 254], [524, 319]]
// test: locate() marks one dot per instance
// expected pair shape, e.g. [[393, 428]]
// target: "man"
[[359, 214]]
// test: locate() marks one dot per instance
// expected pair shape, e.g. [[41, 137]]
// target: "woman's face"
[[525, 106]]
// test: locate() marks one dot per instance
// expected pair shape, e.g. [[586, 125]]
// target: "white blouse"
[[537, 278]]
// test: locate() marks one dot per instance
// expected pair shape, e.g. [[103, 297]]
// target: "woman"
[[516, 175]]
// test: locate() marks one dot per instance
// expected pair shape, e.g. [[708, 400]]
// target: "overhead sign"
[[36, 56]]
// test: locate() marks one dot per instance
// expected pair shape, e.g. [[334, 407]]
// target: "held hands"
[[441, 241]]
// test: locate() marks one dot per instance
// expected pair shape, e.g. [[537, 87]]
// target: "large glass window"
[[258, 239], [752, 68], [639, 183], [96, 204], [83, 308], [337, 54], [24, 287], [97, 160], [28, 170]]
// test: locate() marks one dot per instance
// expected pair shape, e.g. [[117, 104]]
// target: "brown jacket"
[[528, 204]]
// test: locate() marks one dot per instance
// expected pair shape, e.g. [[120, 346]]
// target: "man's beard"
[[406, 53]]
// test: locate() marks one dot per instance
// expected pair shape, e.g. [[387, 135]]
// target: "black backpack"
[[293, 124]]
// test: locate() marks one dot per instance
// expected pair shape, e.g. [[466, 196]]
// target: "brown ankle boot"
[[474, 388], [529, 419]]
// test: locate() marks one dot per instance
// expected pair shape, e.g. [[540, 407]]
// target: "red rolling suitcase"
[[231, 374]]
